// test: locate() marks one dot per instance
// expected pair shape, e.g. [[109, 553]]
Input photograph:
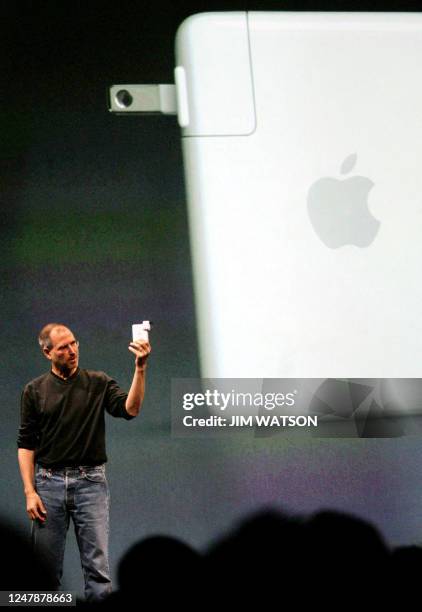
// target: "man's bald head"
[[44, 338]]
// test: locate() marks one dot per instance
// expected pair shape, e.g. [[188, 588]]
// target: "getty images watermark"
[[204, 406], [218, 400], [320, 407]]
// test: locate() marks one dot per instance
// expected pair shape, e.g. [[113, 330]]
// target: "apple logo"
[[338, 209]]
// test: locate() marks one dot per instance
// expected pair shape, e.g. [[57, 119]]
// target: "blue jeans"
[[83, 494]]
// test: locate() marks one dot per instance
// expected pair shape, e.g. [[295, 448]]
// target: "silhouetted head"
[[157, 560], [344, 547], [261, 537]]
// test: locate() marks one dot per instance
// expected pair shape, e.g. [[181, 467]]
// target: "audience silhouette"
[[326, 555]]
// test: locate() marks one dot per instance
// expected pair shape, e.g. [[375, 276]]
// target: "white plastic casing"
[[213, 52], [276, 103], [140, 331]]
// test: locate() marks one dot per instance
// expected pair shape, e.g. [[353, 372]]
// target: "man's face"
[[64, 352]]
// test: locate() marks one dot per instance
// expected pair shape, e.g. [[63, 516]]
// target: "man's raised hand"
[[140, 348]]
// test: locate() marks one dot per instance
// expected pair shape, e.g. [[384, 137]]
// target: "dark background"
[[94, 234]]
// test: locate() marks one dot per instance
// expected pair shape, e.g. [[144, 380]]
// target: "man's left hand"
[[140, 348]]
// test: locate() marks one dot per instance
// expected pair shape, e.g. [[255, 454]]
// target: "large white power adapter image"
[[302, 141]]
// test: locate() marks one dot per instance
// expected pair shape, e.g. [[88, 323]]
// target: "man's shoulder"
[[95, 374], [97, 381], [36, 382]]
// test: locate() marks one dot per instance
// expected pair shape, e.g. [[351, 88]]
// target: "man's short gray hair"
[[44, 339]]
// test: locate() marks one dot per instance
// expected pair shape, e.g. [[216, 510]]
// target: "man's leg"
[[91, 518], [49, 537]]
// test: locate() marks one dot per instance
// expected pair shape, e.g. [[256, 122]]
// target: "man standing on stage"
[[61, 453]]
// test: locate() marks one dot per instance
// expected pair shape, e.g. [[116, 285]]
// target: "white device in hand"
[[140, 331], [302, 143]]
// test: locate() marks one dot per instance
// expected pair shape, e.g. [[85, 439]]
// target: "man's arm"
[[26, 460], [34, 506], [135, 397]]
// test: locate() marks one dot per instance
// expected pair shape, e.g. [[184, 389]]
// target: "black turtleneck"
[[63, 419]]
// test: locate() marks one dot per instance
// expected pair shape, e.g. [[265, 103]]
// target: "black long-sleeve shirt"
[[63, 420]]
